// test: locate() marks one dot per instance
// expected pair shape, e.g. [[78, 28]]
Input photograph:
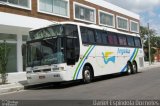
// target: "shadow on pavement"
[[63, 85]]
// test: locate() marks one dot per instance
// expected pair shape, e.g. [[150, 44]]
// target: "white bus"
[[70, 51]]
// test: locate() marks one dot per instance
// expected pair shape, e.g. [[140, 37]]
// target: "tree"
[[4, 53], [144, 31], [157, 41], [153, 41]]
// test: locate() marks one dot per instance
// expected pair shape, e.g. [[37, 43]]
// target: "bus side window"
[[137, 42], [115, 39], [110, 39], [104, 38], [84, 35], [90, 34], [122, 40], [98, 37], [130, 41]]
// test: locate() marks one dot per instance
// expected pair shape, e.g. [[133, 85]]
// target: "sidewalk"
[[147, 66], [11, 87], [17, 86]]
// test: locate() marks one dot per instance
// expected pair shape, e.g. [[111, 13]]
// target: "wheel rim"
[[129, 69], [134, 68], [87, 76]]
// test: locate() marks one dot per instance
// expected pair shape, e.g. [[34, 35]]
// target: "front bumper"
[[45, 77]]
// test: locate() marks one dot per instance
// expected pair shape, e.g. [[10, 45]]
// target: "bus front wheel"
[[87, 74]]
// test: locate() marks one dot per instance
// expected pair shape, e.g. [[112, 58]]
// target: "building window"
[[84, 13], [11, 40], [18, 3], [8, 37], [134, 26], [106, 19], [54, 7], [122, 23], [25, 38]]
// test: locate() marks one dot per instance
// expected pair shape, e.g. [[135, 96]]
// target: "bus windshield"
[[53, 45], [52, 31], [45, 52]]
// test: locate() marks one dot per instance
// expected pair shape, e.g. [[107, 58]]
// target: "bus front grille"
[[43, 70]]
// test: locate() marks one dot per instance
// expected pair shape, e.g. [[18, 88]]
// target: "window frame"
[[49, 13], [123, 19], [137, 26], [101, 11], [17, 6], [85, 6]]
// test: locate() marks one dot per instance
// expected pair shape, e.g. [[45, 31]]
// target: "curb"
[[11, 88], [150, 67]]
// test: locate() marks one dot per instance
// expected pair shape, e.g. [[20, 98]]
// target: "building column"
[[19, 53]]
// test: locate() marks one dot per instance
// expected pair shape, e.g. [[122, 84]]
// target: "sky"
[[149, 11]]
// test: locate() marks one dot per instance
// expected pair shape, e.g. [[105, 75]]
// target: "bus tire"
[[129, 68], [135, 69], [87, 74]]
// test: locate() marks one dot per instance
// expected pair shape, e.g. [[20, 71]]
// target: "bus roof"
[[90, 26]]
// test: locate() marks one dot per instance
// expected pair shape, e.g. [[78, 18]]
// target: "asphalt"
[[144, 85]]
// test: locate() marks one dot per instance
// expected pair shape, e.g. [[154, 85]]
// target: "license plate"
[[41, 77]]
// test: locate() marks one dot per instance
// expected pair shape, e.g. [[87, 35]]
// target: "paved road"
[[144, 85]]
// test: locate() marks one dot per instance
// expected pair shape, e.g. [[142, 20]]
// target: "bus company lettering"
[[123, 51]]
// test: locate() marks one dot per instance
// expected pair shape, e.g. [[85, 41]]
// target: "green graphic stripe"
[[135, 55], [81, 62]]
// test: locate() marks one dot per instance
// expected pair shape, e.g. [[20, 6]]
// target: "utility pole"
[[149, 45]]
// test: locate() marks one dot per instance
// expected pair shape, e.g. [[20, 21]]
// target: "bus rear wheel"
[[87, 74], [135, 69], [129, 68]]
